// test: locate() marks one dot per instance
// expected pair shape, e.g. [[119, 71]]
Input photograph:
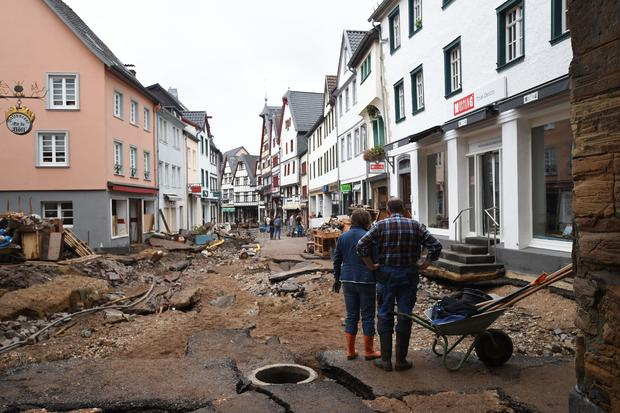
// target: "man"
[[399, 242], [291, 225], [277, 227]]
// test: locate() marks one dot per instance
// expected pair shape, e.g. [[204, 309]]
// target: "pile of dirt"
[[15, 277]]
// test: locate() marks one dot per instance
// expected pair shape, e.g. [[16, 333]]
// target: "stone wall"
[[595, 98]]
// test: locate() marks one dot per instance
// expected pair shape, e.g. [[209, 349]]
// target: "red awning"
[[133, 189]]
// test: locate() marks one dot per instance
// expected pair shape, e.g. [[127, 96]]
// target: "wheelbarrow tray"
[[476, 324]]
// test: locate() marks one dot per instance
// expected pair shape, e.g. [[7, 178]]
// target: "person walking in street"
[[277, 227], [291, 225], [399, 243], [358, 286], [299, 227], [270, 224]]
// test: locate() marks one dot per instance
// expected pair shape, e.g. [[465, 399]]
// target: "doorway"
[[135, 221], [484, 192]]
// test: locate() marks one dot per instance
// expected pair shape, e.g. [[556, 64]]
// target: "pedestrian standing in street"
[[399, 243], [270, 225], [291, 225], [277, 227], [358, 286], [299, 227]]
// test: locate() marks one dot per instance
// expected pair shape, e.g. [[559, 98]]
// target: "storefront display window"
[[552, 182], [437, 191]]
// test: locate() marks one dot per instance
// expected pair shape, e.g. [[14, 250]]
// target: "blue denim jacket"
[[348, 266]]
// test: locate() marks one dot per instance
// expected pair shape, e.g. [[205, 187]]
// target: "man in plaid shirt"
[[399, 242]]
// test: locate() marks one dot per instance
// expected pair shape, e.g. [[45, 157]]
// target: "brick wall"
[[595, 98]]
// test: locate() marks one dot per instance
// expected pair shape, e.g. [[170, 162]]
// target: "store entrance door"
[[484, 192]]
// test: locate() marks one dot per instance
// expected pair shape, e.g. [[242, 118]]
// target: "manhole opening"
[[284, 374]]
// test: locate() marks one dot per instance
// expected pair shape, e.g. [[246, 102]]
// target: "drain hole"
[[283, 374]]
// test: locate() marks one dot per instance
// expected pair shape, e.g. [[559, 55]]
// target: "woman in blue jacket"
[[358, 285]]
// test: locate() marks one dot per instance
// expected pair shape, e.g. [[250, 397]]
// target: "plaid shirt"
[[399, 241]]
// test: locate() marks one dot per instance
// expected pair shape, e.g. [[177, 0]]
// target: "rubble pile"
[[15, 277]]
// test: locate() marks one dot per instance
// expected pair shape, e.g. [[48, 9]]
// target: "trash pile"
[[338, 224]]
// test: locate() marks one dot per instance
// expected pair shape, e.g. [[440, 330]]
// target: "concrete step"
[[462, 268], [469, 249], [479, 240], [466, 258]]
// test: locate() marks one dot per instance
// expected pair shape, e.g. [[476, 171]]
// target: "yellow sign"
[[19, 119]]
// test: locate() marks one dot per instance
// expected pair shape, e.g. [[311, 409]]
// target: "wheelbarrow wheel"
[[494, 347]]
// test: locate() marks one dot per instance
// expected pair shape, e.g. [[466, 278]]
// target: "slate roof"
[[355, 38], [197, 117], [94, 43], [364, 45], [166, 99], [306, 108], [249, 161]]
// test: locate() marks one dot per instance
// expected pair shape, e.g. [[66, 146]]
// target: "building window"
[[417, 89], [118, 158], [133, 113], [147, 119], [437, 191], [399, 100], [452, 67], [559, 20], [552, 181], [349, 151], [342, 149], [133, 161], [446, 3], [53, 148], [378, 131], [363, 137], [118, 105], [63, 91], [510, 32], [340, 105], [58, 210], [119, 218], [415, 16], [394, 19], [354, 90], [346, 99], [356, 142], [366, 67], [147, 166]]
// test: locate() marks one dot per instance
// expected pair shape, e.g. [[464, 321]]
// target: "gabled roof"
[[305, 107], [239, 154], [94, 43], [197, 117], [166, 99], [381, 10], [355, 38], [364, 45], [332, 83]]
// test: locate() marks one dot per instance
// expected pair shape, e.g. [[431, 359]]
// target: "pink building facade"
[[90, 157]]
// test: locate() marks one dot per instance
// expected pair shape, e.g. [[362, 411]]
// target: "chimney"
[[131, 68], [174, 92]]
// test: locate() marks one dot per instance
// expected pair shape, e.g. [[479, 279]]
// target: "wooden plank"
[[31, 245], [285, 275], [54, 247], [163, 218]]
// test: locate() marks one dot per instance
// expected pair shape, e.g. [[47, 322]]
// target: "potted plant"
[[376, 154], [418, 24]]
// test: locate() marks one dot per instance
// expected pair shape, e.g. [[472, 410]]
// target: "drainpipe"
[[384, 95]]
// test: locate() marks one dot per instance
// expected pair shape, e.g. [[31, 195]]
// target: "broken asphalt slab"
[[285, 275], [119, 385], [541, 383]]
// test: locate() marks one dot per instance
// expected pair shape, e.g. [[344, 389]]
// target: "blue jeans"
[[400, 290], [276, 232], [359, 298]]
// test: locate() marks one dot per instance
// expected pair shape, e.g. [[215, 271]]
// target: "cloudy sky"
[[223, 56]]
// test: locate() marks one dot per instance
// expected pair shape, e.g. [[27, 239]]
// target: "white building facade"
[[479, 117], [240, 190]]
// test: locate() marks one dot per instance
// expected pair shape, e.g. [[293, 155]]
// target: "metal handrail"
[[488, 216], [458, 217]]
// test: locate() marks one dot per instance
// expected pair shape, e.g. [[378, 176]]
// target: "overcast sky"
[[223, 56]]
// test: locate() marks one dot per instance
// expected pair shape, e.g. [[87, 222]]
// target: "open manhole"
[[282, 374]]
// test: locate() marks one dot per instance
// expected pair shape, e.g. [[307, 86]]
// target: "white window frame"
[[146, 158], [117, 157], [117, 104], [356, 142], [59, 211], [50, 101], [54, 164], [147, 119], [349, 147], [133, 112], [514, 47], [364, 137], [419, 89], [126, 200], [564, 16], [455, 68], [396, 30], [417, 14], [133, 161]]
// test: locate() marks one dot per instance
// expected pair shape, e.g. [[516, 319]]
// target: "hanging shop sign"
[[19, 119], [376, 167], [345, 188]]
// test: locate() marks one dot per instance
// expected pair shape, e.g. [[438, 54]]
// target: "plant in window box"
[[134, 172], [118, 169], [375, 154], [418, 24]]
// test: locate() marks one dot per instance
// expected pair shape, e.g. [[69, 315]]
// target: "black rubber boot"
[[402, 347], [385, 362]]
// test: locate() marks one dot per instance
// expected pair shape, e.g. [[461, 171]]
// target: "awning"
[[172, 197], [534, 94], [412, 138], [133, 189], [471, 118]]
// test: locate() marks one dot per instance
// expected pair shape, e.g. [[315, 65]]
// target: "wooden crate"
[[324, 242]]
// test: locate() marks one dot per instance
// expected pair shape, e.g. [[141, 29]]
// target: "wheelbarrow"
[[493, 347]]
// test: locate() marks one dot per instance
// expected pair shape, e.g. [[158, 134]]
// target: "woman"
[[358, 285]]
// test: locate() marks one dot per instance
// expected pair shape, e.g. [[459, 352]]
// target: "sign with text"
[[345, 188], [19, 119], [481, 97], [376, 167]]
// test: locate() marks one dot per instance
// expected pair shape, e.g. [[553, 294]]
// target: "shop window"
[[552, 181], [58, 210], [119, 218], [148, 222], [437, 191]]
